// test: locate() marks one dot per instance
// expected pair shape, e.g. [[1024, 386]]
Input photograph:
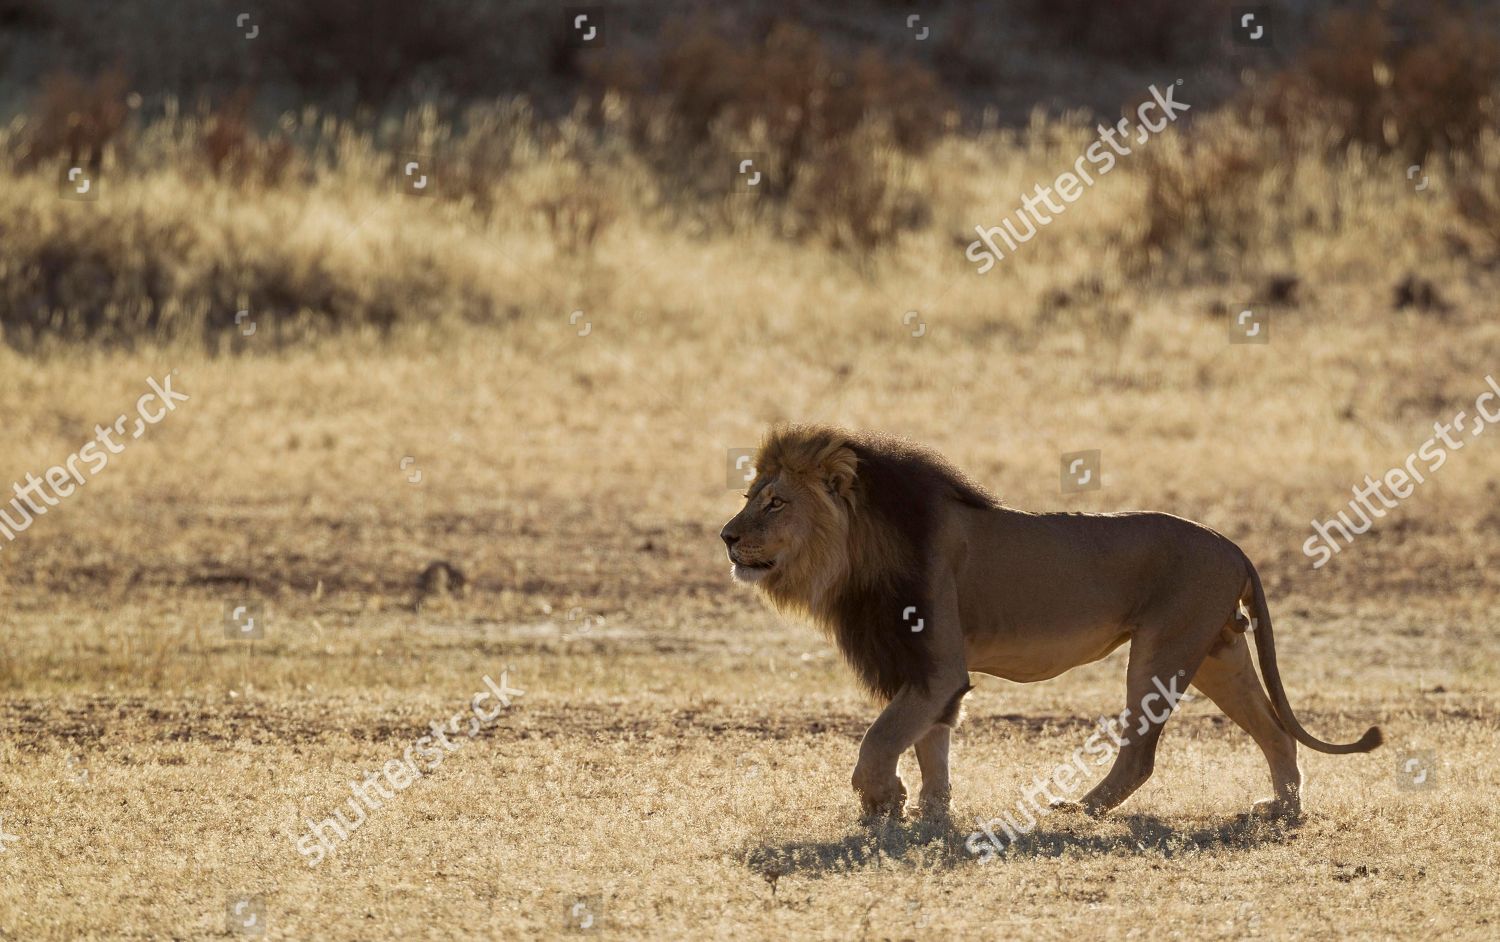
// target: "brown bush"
[[1408, 81], [1417, 84], [235, 151], [798, 106], [576, 218], [1476, 190], [1208, 191], [797, 92], [75, 118]]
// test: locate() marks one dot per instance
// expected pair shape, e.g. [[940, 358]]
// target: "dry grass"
[[686, 758], [691, 753]]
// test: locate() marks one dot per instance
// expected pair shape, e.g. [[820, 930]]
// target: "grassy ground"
[[680, 757]]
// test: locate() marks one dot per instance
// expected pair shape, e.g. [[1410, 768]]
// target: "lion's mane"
[[870, 555]]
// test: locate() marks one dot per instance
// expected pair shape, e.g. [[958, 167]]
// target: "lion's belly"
[[1042, 656]]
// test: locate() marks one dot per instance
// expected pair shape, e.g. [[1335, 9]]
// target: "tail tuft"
[[1370, 741]]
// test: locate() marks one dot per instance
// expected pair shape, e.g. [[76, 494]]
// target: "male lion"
[[921, 576]]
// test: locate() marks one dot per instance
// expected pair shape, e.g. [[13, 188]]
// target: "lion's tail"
[[1266, 648]]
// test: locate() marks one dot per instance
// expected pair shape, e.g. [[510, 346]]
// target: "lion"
[[921, 576]]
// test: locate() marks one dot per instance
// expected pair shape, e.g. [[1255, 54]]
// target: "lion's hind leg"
[[1155, 679], [1228, 678], [1166, 650]]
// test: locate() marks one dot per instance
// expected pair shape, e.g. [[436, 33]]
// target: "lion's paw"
[[1277, 809], [887, 799], [933, 807]]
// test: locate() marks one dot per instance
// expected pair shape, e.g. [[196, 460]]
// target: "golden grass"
[[694, 781], [676, 758]]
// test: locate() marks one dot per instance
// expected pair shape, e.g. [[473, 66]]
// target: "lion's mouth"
[[751, 572]]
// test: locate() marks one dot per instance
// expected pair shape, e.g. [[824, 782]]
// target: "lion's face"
[[773, 537]]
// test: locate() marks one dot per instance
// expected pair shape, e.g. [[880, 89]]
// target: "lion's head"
[[839, 525], [792, 536]]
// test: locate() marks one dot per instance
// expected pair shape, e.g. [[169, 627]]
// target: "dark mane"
[[899, 493]]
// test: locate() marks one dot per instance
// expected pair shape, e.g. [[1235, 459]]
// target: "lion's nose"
[[729, 538]]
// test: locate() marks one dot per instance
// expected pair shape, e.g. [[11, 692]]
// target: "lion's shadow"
[[944, 845]]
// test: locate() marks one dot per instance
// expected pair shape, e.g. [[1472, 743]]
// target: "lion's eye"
[[776, 504]]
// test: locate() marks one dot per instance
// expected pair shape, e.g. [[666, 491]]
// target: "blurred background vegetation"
[[238, 163]]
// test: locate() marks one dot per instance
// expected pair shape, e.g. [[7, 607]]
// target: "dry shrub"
[[119, 277], [827, 127], [1207, 189], [162, 258], [76, 119], [1154, 30], [796, 93], [575, 218], [1376, 87], [1418, 84], [235, 151], [861, 210], [496, 136], [1476, 190], [501, 155]]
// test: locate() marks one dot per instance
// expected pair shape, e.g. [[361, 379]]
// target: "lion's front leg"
[[911, 716], [875, 780], [917, 707], [932, 758]]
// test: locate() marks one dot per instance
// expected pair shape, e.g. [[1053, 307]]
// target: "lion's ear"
[[839, 467]]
